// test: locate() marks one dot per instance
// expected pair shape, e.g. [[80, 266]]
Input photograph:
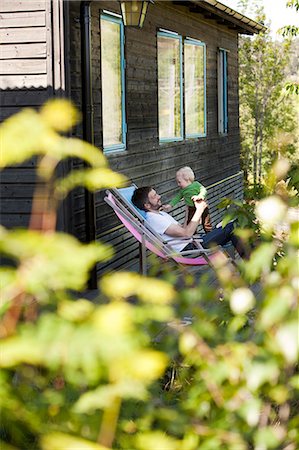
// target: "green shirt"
[[187, 193]]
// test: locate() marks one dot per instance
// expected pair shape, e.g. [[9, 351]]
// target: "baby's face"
[[181, 182]]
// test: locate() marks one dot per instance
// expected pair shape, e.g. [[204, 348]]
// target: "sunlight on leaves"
[[260, 261], [51, 260], [259, 373], [76, 311], [241, 301], [104, 396], [61, 441], [127, 284], [271, 211], [156, 440], [145, 366], [92, 179], [287, 340], [115, 318], [23, 136], [60, 114]]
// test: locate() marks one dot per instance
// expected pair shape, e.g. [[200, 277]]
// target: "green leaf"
[[286, 338], [268, 437], [250, 411], [61, 441], [156, 440], [277, 307], [51, 261], [76, 311], [259, 373], [92, 179], [60, 114], [25, 135], [28, 133], [5, 446], [104, 396], [261, 260]]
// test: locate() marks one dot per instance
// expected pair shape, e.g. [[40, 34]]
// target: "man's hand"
[[166, 207], [197, 198], [200, 206]]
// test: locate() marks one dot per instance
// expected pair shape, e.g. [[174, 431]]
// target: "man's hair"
[[140, 197], [187, 173]]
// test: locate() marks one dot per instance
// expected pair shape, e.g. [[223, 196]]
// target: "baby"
[[190, 191]]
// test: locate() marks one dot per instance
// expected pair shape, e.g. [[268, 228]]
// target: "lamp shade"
[[134, 12]]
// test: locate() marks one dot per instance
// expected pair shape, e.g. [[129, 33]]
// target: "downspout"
[[88, 113]]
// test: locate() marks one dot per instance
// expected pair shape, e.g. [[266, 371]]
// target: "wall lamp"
[[133, 12]]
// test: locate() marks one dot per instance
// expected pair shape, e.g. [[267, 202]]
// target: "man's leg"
[[222, 236]]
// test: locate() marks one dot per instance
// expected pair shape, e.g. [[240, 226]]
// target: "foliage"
[[125, 372], [267, 110]]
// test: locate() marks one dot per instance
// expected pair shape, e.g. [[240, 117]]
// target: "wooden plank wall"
[[25, 79], [146, 162]]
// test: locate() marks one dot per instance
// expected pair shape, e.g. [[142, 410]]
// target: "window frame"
[[173, 35], [105, 15], [222, 91], [191, 41]]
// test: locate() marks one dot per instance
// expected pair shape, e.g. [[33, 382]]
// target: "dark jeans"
[[221, 236]]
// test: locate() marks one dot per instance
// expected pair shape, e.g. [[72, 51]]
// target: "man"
[[147, 199]]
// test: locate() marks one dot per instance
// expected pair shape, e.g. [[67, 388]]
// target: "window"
[[171, 96], [194, 64], [222, 92], [113, 83], [170, 87]]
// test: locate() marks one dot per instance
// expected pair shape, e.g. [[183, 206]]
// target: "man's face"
[[154, 200]]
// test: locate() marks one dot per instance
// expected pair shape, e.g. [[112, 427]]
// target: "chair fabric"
[[127, 194]]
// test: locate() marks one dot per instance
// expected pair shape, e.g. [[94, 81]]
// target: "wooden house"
[[153, 99]]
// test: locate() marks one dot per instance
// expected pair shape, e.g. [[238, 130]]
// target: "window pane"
[[194, 89], [169, 83], [111, 83], [222, 92]]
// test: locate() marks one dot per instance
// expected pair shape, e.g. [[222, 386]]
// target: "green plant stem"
[[109, 423]]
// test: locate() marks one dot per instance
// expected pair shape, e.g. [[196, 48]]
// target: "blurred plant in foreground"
[[125, 372]]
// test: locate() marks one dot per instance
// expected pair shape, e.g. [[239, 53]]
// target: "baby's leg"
[[190, 210], [206, 220]]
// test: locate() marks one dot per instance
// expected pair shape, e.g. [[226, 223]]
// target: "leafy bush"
[[125, 371]]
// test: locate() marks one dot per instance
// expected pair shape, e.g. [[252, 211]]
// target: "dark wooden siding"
[[213, 158], [30, 73]]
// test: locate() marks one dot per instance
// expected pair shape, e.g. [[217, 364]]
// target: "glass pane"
[[111, 83], [169, 82], [194, 89]]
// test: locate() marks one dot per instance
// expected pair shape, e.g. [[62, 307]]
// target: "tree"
[[291, 31], [264, 105]]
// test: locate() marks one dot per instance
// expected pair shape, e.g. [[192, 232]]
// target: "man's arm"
[[176, 230]]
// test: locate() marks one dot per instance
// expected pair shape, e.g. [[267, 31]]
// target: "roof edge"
[[249, 26]]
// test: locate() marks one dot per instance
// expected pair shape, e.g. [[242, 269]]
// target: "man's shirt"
[[160, 222]]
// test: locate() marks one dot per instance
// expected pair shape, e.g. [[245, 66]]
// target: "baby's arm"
[[202, 194]]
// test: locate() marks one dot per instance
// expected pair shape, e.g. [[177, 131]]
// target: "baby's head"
[[184, 177]]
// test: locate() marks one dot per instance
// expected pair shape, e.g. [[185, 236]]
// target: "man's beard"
[[156, 207]]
